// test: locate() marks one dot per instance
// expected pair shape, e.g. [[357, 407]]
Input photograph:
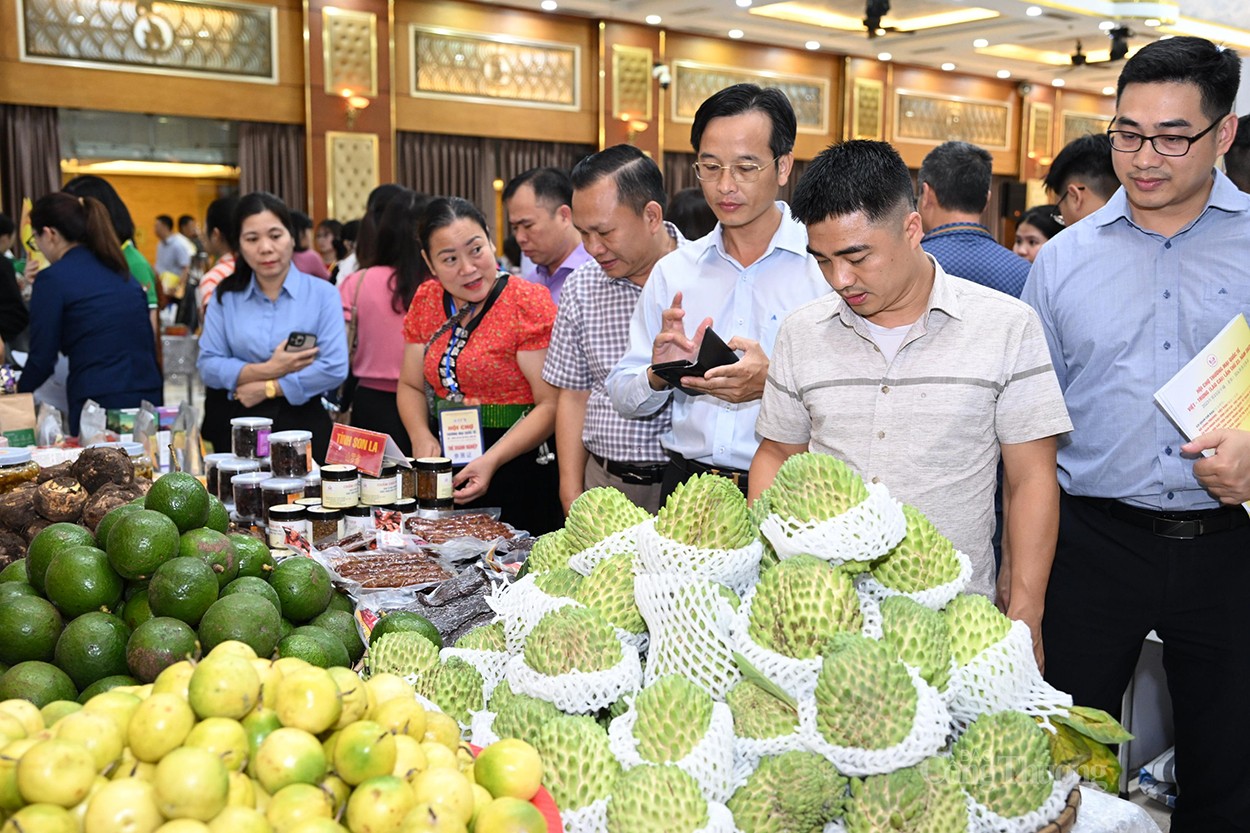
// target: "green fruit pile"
[[157, 582]]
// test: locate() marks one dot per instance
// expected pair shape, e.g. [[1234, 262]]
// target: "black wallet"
[[712, 353]]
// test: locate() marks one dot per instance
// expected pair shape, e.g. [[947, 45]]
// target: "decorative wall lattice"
[[932, 118], [868, 109], [694, 82], [352, 172], [202, 38], [631, 82], [1076, 125], [1041, 119], [351, 50], [495, 69]]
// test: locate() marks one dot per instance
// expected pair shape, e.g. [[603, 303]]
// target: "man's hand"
[[284, 361], [742, 381], [473, 480], [671, 344], [250, 394], [1225, 474]]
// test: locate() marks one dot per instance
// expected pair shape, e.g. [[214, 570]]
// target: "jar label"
[[444, 487], [262, 442], [340, 494]]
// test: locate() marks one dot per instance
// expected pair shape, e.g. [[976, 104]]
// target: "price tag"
[[363, 449], [460, 430]]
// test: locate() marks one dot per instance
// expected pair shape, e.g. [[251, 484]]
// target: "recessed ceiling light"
[[812, 44], [884, 56], [1003, 73], [735, 33], [1058, 82], [1153, 22], [653, 19], [1033, 11], [947, 67], [743, 4], [1107, 25], [980, 43], [1108, 90], [549, 5]]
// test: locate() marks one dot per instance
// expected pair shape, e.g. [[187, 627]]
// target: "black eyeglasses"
[[1165, 144], [1058, 215]]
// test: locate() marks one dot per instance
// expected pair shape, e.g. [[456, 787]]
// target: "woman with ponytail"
[[87, 306]]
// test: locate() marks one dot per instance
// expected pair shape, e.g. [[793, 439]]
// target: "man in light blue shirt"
[[742, 280], [1150, 534]]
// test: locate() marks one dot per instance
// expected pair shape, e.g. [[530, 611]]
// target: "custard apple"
[[920, 799], [864, 697], [1003, 762], [925, 558], [673, 715], [707, 511], [405, 653], [919, 637], [550, 551], [796, 792], [572, 639], [651, 798], [758, 714], [578, 767], [598, 513], [975, 624], [800, 604], [815, 487], [609, 589]]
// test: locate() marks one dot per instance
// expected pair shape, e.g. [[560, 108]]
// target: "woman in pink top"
[[380, 294]]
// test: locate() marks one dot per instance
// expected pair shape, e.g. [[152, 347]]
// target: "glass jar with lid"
[[249, 436], [340, 486], [290, 453], [248, 504], [16, 468], [230, 468], [278, 490], [383, 489]]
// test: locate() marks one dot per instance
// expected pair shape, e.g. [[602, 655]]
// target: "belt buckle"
[[632, 477], [1177, 530], [732, 476]]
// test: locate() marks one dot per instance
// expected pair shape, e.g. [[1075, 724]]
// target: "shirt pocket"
[[1222, 299]]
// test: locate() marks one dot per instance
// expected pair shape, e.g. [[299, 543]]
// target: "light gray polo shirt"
[[973, 372]]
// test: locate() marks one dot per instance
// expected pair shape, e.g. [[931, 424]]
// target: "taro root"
[[142, 484], [52, 472], [61, 499], [35, 527], [97, 466], [17, 507], [107, 498], [12, 547]]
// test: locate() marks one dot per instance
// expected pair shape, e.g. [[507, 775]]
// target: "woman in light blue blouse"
[[243, 355]]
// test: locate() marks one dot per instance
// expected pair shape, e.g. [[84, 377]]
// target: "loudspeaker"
[[1012, 200]]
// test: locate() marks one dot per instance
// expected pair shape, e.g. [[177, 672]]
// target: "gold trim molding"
[[1040, 133]]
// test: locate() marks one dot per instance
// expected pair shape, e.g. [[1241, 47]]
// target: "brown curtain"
[[445, 166], [516, 156], [679, 174], [271, 158], [30, 155]]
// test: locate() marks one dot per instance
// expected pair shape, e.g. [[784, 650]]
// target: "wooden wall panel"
[[134, 92]]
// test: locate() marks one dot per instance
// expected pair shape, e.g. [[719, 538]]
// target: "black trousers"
[[1111, 584]]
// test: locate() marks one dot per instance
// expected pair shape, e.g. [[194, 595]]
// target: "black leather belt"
[[1178, 525], [637, 475], [736, 476]]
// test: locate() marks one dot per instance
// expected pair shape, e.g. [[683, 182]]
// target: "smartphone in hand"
[[301, 341]]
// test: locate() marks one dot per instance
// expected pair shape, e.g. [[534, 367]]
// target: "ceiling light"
[[549, 5], [1033, 11], [1108, 90], [1058, 82], [884, 56], [812, 44], [653, 19], [947, 67], [1153, 22], [1003, 73], [1107, 25], [743, 4], [809, 14], [735, 33], [980, 43]]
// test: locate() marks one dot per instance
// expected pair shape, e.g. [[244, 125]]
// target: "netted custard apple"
[[758, 714], [1003, 762], [561, 581], [572, 639], [484, 638], [815, 487], [918, 637], [707, 511], [975, 624], [925, 558], [521, 716], [402, 652], [456, 686], [651, 798], [920, 799], [760, 509], [578, 766], [672, 716], [864, 696], [800, 604], [598, 513], [796, 792], [550, 551], [609, 589]]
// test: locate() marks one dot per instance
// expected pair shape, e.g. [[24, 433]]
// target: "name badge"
[[460, 430]]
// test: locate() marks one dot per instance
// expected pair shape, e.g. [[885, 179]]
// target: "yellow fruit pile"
[[239, 744]]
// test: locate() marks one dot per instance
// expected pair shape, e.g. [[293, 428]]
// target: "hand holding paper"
[[1226, 473]]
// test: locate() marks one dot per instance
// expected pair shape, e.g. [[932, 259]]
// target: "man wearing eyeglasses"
[[1082, 178], [1150, 533], [742, 280]]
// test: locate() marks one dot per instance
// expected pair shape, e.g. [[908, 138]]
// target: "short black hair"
[[552, 187], [442, 212], [1214, 70], [858, 176], [689, 211], [743, 98], [350, 229], [184, 219], [1042, 218], [90, 185], [1237, 157], [959, 174], [1088, 159], [166, 221], [7, 226], [301, 223], [638, 178], [220, 216]]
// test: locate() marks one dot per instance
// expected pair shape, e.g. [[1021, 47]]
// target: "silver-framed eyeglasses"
[[739, 171], [1165, 144]]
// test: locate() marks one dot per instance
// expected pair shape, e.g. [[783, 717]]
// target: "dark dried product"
[[35, 527], [60, 500], [97, 466], [17, 508], [12, 547], [391, 568], [52, 472], [143, 484], [109, 497], [473, 525]]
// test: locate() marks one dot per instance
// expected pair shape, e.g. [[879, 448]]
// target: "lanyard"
[[459, 338]]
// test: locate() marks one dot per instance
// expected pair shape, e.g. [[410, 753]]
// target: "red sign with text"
[[357, 447]]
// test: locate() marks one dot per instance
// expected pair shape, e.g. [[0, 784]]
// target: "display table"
[[1103, 813]]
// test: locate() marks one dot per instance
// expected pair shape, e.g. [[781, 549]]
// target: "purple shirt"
[[554, 281]]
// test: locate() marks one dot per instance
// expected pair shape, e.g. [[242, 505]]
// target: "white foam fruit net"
[[934, 598], [615, 544], [983, 820], [711, 762], [862, 533], [1004, 677], [520, 605], [579, 692], [593, 818], [928, 734], [737, 569], [482, 728], [688, 620], [492, 665], [719, 820], [797, 677], [870, 609]]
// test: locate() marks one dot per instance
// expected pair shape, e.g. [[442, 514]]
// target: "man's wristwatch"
[[271, 389]]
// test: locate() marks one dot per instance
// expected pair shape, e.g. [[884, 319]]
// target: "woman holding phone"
[[273, 338]]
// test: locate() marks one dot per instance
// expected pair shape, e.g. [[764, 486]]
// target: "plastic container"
[[340, 486], [290, 453], [249, 506], [312, 484], [249, 437], [434, 489], [286, 524], [382, 490], [16, 468], [327, 524], [211, 482], [229, 469], [357, 518], [277, 490]]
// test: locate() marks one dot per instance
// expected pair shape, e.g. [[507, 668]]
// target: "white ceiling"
[[1056, 30]]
